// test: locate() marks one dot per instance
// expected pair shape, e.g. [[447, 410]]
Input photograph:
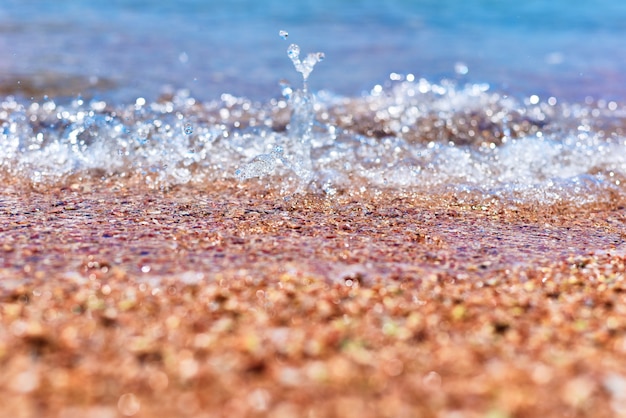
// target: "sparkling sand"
[[231, 301]]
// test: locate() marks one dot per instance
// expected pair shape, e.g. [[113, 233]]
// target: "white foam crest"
[[76, 140]]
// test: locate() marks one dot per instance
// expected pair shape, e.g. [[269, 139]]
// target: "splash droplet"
[[283, 34], [304, 67], [285, 88], [293, 51], [188, 129], [461, 68], [261, 165]]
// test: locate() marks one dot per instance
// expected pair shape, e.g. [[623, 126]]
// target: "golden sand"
[[233, 302]]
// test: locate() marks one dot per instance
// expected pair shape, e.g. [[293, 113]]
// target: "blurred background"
[[123, 49]]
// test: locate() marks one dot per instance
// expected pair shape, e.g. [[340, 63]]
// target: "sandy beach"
[[230, 301], [260, 209]]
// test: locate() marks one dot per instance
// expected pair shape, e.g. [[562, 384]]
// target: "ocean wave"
[[407, 134]]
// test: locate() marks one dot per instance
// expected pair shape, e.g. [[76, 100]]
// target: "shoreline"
[[231, 301]]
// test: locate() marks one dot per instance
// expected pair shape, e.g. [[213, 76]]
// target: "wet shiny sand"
[[229, 301]]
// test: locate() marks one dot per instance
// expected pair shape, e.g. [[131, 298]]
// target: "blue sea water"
[[571, 49], [82, 79]]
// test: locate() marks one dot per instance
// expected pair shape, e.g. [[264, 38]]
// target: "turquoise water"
[[506, 98], [570, 49]]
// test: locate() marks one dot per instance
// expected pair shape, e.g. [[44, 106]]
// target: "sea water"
[[519, 101]]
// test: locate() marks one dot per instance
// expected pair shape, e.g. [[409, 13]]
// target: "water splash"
[[408, 135], [299, 136], [262, 164], [304, 67]]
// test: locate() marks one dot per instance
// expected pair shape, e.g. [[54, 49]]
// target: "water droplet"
[[461, 68], [188, 129], [286, 89], [304, 67], [283, 34], [293, 51]]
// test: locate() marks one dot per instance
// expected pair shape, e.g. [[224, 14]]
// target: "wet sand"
[[230, 301]]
